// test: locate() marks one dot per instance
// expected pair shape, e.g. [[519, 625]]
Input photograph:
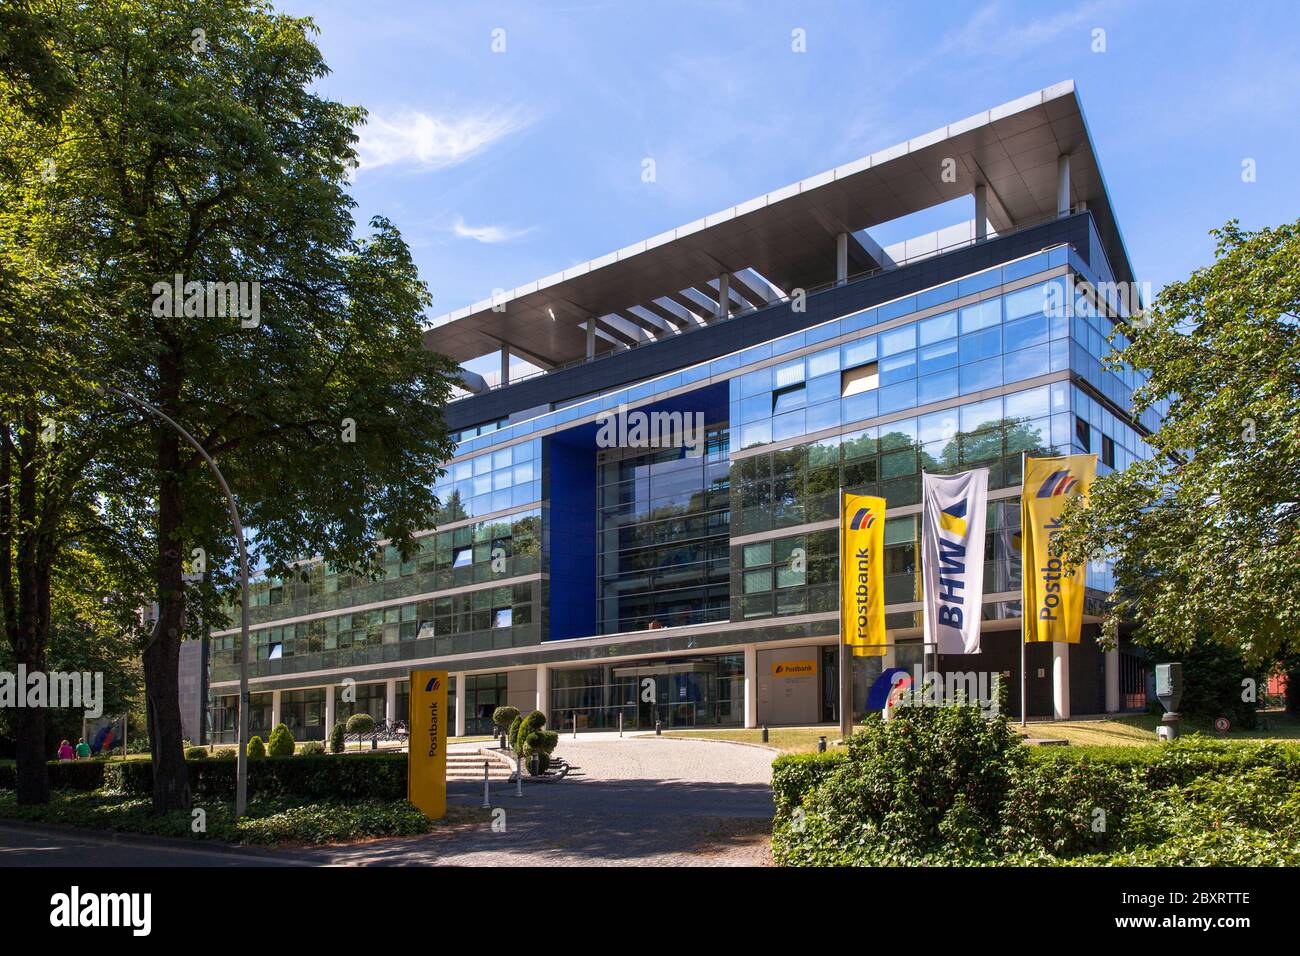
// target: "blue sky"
[[503, 167]]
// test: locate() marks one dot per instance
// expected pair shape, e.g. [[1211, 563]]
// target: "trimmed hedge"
[[64, 775], [380, 776], [793, 775]]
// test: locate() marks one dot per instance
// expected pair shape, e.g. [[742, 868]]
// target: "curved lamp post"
[[241, 766]]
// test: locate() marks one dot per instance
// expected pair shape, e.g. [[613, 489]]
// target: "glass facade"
[[676, 692], [664, 520], [974, 373]]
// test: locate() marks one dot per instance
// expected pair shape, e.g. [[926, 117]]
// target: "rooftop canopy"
[[805, 235]]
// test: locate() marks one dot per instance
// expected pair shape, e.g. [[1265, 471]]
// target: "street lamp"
[[241, 757]]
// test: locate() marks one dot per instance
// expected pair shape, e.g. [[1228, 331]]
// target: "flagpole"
[[846, 683], [1024, 603]]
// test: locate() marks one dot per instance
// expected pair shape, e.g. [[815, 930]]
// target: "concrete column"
[[1060, 680], [591, 337], [460, 703], [544, 692], [505, 365], [751, 685], [981, 213], [329, 710], [842, 258], [275, 708], [1112, 681], [390, 699], [724, 295], [1063, 184]]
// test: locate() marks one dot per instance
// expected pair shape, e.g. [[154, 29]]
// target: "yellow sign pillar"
[[426, 764]]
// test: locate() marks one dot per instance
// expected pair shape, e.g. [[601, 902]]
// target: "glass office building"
[[672, 581]]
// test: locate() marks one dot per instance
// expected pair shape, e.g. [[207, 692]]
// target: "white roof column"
[[591, 337], [724, 295], [1063, 184], [981, 213], [505, 365], [842, 258]]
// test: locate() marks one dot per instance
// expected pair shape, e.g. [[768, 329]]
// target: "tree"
[[281, 743], [195, 147], [1205, 535]]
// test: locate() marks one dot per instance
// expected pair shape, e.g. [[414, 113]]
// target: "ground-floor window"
[[225, 717], [369, 699], [677, 692], [303, 712], [484, 693]]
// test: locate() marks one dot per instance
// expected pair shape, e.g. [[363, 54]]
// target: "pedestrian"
[[83, 749], [65, 751]]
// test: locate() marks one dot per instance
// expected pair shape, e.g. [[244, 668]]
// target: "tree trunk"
[[171, 785], [33, 784]]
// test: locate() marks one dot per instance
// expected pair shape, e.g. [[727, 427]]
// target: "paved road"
[[649, 801]]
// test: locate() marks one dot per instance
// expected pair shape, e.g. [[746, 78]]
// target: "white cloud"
[[486, 233], [412, 138]]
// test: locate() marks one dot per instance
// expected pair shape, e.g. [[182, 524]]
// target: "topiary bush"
[[503, 718], [360, 724], [256, 749], [311, 748], [532, 740], [337, 733], [196, 753], [281, 743], [513, 732]]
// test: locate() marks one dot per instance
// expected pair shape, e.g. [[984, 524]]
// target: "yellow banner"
[[426, 765], [1053, 600], [862, 574]]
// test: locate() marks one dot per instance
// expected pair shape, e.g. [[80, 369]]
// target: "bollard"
[[765, 733], [821, 744], [659, 728], [574, 718], [374, 742], [620, 723], [487, 802], [519, 775]]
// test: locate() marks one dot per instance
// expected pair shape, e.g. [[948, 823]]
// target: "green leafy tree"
[[337, 733], [211, 157], [1206, 534]]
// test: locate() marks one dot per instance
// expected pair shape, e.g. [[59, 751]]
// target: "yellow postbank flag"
[[1053, 599], [862, 574], [426, 766]]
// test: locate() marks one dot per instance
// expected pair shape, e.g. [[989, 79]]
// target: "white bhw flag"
[[952, 558]]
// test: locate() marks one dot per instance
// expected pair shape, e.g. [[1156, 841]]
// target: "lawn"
[[790, 740], [1139, 730]]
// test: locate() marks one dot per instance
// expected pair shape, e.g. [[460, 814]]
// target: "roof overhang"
[[789, 236]]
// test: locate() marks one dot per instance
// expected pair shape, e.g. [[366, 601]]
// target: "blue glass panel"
[[790, 425], [895, 398], [943, 355], [933, 297], [937, 387], [1026, 363], [978, 283], [822, 416], [858, 321], [857, 407], [897, 340], [858, 353], [897, 368], [937, 327], [894, 310], [981, 315], [981, 375], [1025, 332], [981, 345]]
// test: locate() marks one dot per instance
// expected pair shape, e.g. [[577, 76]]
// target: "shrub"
[[532, 740], [793, 775], [503, 718], [360, 724], [196, 753], [281, 741], [924, 787], [336, 738], [378, 776], [513, 732], [311, 748], [64, 775], [256, 749]]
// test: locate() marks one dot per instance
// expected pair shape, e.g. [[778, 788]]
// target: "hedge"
[[64, 775], [793, 775], [379, 776]]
